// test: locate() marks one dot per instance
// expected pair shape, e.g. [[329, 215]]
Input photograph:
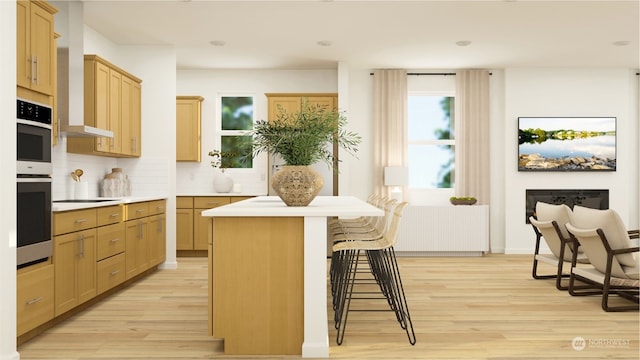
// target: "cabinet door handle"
[[139, 230], [135, 144], [115, 240], [81, 240], [139, 211], [80, 221], [35, 300], [212, 203], [115, 272], [32, 76], [159, 227], [37, 80], [159, 208], [114, 215]]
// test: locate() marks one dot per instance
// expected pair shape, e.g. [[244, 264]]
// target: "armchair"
[[606, 242]]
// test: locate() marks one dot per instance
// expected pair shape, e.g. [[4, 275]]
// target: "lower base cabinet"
[[34, 296], [94, 250], [191, 227], [75, 269]]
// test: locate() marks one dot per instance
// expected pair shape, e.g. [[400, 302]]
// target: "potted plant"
[[302, 139], [222, 182]]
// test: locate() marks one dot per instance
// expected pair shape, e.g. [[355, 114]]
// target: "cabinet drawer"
[[184, 202], [208, 202], [110, 272], [136, 210], [34, 298], [157, 207], [69, 221], [111, 240], [109, 215]]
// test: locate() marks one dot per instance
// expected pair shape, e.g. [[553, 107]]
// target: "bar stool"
[[370, 253]]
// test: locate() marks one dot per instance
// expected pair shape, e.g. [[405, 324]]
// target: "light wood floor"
[[462, 308]]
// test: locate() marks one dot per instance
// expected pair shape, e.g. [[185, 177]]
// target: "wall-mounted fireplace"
[[591, 198]]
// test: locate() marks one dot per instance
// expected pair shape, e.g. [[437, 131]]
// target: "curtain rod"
[[443, 74], [419, 74]]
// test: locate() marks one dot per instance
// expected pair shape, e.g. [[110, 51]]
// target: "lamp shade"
[[396, 175]]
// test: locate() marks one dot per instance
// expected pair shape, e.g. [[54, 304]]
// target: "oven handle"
[[34, 123], [34, 180]]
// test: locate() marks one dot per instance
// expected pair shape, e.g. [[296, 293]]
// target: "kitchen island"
[[268, 274]]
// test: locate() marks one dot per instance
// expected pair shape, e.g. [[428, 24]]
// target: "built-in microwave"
[[34, 139]]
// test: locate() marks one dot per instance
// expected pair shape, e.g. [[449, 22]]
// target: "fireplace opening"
[[591, 198]]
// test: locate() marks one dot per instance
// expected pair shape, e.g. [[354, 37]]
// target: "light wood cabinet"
[[94, 250], [34, 300], [131, 119], [145, 228], [188, 128], [193, 230], [74, 257], [291, 102], [112, 101], [35, 46]]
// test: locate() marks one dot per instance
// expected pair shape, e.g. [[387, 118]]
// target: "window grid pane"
[[431, 141]]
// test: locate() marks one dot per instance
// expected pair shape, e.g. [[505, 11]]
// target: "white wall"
[[197, 178], [569, 92], [8, 182]]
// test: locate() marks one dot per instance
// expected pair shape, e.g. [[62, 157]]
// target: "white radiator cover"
[[461, 230]]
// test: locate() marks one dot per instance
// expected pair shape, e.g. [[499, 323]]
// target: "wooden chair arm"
[[625, 250]]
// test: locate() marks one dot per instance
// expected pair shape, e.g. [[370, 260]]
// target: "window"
[[236, 120], [431, 140]]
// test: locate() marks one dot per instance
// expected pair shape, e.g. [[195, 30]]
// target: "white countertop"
[[66, 206], [345, 206], [218, 194]]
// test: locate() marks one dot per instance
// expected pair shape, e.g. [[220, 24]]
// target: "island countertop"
[[342, 206]]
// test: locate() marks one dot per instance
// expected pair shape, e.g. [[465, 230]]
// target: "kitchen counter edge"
[[59, 207]]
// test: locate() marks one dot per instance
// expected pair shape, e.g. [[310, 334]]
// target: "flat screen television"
[[566, 144]]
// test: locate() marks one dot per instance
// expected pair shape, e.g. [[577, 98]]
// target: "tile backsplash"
[[148, 176]]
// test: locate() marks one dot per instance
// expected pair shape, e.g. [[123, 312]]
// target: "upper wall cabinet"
[[112, 101], [35, 46], [188, 120], [292, 102]]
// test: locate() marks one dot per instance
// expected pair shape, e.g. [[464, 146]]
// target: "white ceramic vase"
[[222, 183]]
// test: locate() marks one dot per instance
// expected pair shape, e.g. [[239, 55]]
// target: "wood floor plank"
[[462, 308]]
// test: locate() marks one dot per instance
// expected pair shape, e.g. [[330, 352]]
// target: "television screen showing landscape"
[[566, 144]]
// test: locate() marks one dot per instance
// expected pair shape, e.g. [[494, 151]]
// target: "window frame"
[[432, 142], [219, 133]]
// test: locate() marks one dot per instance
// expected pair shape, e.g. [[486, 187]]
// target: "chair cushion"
[[612, 226], [560, 213]]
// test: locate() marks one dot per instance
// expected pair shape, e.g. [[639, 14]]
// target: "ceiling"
[[377, 34]]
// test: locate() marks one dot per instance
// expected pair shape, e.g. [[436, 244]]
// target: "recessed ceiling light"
[[463, 43], [621, 43], [324, 43], [217, 43]]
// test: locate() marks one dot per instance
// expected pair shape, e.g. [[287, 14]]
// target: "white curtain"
[[472, 174], [389, 124]]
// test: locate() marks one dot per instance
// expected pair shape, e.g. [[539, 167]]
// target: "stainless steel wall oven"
[[33, 182]]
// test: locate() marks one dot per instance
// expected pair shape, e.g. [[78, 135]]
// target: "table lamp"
[[397, 177]]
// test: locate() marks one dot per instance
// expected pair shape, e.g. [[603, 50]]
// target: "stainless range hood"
[[71, 73]]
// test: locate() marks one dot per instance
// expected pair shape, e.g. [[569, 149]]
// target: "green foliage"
[[539, 135], [219, 159], [237, 112], [470, 198], [305, 138]]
